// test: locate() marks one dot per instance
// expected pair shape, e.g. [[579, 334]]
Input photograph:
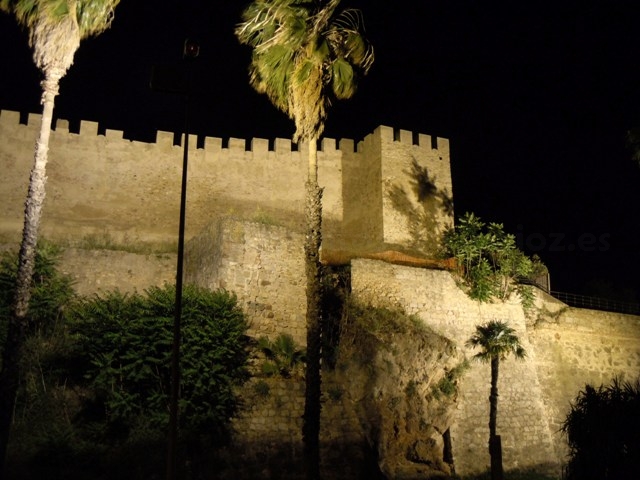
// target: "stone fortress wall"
[[566, 349], [131, 190], [104, 184]]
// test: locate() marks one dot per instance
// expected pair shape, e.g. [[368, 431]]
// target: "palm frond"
[[308, 104], [270, 73], [343, 79], [304, 53], [95, 16], [495, 339], [54, 37], [266, 23], [56, 27], [323, 17], [346, 35]]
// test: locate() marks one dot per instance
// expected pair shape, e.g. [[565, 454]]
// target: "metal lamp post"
[[190, 51]]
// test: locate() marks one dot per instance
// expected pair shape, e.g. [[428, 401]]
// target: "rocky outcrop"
[[400, 379]]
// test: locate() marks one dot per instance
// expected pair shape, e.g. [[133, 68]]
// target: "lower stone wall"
[[566, 347], [522, 421], [575, 347], [262, 264], [272, 412], [273, 407], [99, 271]]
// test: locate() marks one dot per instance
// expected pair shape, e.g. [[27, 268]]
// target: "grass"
[[260, 216], [105, 241], [447, 386]]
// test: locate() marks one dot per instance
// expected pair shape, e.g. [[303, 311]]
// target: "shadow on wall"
[[422, 207]]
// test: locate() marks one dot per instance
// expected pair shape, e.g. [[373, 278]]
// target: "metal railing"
[[596, 303]]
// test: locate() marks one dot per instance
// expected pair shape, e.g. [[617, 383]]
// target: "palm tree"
[[496, 340], [305, 54], [56, 28]]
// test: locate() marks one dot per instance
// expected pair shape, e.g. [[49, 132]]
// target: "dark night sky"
[[536, 98]]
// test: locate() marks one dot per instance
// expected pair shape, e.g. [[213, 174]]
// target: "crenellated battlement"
[[10, 119], [99, 180]]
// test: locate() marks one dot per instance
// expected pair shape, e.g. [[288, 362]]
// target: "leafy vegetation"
[[448, 385], [492, 266], [51, 292], [40, 408], [283, 355], [603, 433], [125, 343], [93, 393]]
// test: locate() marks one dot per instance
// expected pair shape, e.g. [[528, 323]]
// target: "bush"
[[124, 343], [603, 432], [51, 294], [492, 265], [51, 291]]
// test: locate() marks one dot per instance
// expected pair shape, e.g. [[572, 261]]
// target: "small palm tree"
[[56, 28], [305, 54], [283, 355], [496, 341]]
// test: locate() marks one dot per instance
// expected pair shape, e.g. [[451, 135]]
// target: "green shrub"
[[124, 343], [51, 294], [448, 385], [492, 265], [51, 291], [41, 412], [603, 433]]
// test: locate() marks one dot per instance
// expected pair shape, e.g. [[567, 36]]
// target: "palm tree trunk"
[[493, 396], [495, 448], [17, 328], [313, 239]]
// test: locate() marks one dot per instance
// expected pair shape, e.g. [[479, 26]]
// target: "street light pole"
[[191, 50]]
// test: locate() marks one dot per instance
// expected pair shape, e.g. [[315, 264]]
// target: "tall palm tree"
[[306, 54], [56, 28], [496, 341]]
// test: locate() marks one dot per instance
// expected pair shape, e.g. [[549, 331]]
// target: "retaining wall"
[[566, 347]]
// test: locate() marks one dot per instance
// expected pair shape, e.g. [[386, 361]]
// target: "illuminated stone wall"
[[566, 348], [263, 265], [129, 190], [391, 191]]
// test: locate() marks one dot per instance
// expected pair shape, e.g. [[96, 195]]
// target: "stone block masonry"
[[263, 265], [130, 190], [391, 191], [566, 348]]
